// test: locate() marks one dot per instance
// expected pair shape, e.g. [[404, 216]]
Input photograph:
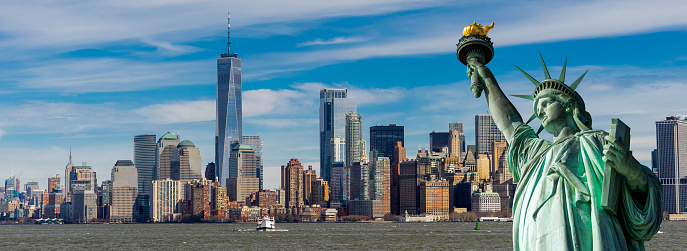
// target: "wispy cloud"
[[336, 40]]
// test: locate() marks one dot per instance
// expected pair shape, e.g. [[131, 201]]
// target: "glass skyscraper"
[[383, 140], [144, 160], [486, 133], [671, 140], [229, 111], [254, 142], [334, 104]]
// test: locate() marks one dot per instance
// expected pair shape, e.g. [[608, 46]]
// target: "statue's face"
[[552, 113]]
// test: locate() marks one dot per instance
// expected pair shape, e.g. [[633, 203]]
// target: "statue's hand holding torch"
[[475, 50]]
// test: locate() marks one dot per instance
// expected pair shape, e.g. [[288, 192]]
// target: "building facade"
[[671, 143], [165, 200], [254, 142], [292, 183], [186, 162], [486, 133], [242, 179], [163, 155], [123, 204], [144, 160], [354, 138], [334, 104]]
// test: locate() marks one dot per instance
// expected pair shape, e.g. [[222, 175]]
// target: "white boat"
[[266, 223]]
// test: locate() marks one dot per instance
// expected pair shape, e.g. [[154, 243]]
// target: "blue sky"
[[92, 74]]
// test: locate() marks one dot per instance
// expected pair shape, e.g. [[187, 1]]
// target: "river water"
[[300, 236]]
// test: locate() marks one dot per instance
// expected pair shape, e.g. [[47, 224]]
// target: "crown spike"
[[530, 97], [541, 128], [577, 82], [562, 78], [534, 81], [546, 71]]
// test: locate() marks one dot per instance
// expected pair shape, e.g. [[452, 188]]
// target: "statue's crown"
[[557, 85], [477, 29]]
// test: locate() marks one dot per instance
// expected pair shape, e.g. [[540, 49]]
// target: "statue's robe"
[[557, 204]]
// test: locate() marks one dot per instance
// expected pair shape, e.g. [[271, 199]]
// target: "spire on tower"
[[228, 54], [70, 156]]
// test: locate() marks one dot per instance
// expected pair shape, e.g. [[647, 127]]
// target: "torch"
[[475, 44]]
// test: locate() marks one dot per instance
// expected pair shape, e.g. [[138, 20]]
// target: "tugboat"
[[266, 223]]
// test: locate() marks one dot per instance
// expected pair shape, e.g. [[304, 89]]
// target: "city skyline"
[[133, 71]]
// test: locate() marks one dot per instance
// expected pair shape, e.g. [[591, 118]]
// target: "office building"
[[210, 172], [165, 200], [309, 177], [320, 192], [123, 207], [144, 161], [398, 156], [164, 151], [340, 183], [84, 206], [229, 119], [82, 178], [54, 183], [455, 143], [381, 183], [67, 170], [383, 139], [334, 104], [439, 141], [671, 139], [434, 198], [408, 187], [486, 133], [254, 142], [455, 126], [242, 180], [354, 138], [186, 162]]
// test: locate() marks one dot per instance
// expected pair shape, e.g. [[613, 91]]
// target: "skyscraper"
[[455, 126], [163, 154], [486, 133], [254, 142], [229, 124], [67, 170], [383, 139], [399, 156], [334, 104], [354, 138], [292, 183], [671, 142], [124, 192], [242, 167], [144, 160], [439, 140], [186, 162]]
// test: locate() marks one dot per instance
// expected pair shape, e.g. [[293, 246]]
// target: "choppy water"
[[300, 236]]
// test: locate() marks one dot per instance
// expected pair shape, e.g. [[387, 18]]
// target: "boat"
[[266, 223]]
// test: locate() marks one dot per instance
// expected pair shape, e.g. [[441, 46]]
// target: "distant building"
[[383, 139], [486, 133], [381, 183], [144, 160], [334, 104], [354, 138], [166, 146], [438, 141], [165, 200], [210, 172], [399, 156], [123, 207], [292, 183], [408, 187], [186, 162], [340, 182], [671, 135], [320, 192], [455, 144], [486, 202], [82, 178], [67, 175], [242, 179], [256, 144], [84, 205], [434, 198], [458, 127], [54, 183], [309, 177], [371, 208]]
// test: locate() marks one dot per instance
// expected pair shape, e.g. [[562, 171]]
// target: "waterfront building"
[[144, 161], [200, 196], [487, 201], [455, 126], [383, 139], [229, 118], [220, 200], [186, 162], [354, 138], [266, 199], [359, 181], [242, 180], [398, 157], [123, 206], [165, 200], [486, 133], [408, 187], [381, 180], [84, 206], [292, 183], [256, 144], [371, 208], [671, 136], [164, 151], [51, 205], [309, 177], [54, 183], [434, 198], [334, 104]]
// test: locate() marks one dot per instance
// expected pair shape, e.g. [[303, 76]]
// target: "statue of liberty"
[[558, 200]]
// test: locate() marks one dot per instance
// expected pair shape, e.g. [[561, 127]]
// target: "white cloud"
[[336, 40], [179, 112]]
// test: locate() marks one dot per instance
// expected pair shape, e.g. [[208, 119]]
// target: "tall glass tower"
[[486, 133], [671, 142], [254, 142], [144, 161], [383, 140], [334, 104], [229, 111]]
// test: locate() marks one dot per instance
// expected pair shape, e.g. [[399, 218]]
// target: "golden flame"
[[477, 29]]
